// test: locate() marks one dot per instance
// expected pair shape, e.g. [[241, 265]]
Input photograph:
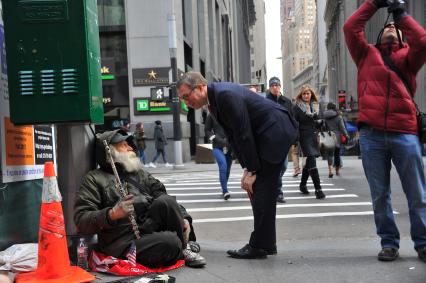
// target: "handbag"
[[327, 139], [421, 117]]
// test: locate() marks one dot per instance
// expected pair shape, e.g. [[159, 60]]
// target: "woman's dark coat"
[[307, 132]]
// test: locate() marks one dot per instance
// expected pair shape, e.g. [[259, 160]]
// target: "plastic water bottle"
[[82, 254]]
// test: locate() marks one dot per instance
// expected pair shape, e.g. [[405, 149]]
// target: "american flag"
[[131, 254]]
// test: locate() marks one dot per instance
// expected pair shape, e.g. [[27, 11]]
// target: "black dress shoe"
[[247, 252], [271, 251]]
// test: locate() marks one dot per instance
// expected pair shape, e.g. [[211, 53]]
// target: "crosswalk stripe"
[[247, 207], [233, 183], [232, 187], [287, 216], [214, 181], [243, 192], [246, 199], [218, 183]]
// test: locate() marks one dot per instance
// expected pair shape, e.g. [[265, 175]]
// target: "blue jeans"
[[142, 156], [224, 162], [163, 154], [378, 150], [280, 179]]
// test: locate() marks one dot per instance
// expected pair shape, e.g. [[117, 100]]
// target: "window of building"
[[111, 13]]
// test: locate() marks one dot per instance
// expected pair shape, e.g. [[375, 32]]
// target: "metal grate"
[[26, 82], [69, 81], [48, 82]]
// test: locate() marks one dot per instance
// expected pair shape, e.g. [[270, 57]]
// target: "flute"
[[121, 190]]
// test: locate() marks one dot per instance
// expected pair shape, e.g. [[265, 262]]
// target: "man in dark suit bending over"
[[261, 133]]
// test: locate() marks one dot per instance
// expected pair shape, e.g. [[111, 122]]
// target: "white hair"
[[129, 160]]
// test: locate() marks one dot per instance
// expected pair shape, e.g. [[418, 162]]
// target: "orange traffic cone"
[[53, 259]]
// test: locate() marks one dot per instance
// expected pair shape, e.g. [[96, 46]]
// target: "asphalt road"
[[331, 240]]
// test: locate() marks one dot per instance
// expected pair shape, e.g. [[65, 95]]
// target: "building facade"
[[212, 37], [258, 45], [287, 46], [319, 54]]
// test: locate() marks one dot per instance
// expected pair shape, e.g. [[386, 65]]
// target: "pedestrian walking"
[[335, 123], [274, 94], [160, 144], [387, 118], [261, 133], [140, 142], [295, 153], [221, 152], [306, 113]]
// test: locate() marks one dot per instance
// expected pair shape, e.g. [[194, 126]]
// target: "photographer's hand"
[[398, 9]]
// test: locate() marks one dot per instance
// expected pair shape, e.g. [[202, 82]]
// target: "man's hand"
[[122, 209], [398, 9], [380, 3], [244, 176], [247, 182]]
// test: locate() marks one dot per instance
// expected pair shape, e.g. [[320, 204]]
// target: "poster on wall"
[[23, 149]]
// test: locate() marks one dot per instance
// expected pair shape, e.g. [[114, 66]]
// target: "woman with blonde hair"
[[306, 113]]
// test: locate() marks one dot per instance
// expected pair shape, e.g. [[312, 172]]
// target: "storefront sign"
[[151, 76]]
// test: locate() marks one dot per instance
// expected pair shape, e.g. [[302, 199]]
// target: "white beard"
[[129, 160]]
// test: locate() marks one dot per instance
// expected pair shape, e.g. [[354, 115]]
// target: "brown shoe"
[[388, 254]]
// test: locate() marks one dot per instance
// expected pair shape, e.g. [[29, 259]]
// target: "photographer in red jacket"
[[387, 118]]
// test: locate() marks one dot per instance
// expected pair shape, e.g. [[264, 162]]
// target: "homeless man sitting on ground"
[[164, 225]]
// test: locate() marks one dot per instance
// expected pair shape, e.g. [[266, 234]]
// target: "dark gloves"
[[142, 203], [319, 123], [398, 9], [380, 3]]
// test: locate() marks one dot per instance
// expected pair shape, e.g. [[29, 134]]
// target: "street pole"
[[177, 132]]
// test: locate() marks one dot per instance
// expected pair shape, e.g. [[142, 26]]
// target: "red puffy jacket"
[[384, 101]]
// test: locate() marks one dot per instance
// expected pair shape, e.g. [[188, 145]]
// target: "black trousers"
[[264, 206], [162, 234]]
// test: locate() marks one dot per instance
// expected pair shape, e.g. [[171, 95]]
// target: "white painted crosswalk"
[[200, 193]]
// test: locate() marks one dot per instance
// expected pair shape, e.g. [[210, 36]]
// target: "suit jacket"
[[257, 128]]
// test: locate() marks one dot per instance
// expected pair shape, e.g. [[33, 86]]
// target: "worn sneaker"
[[422, 254], [388, 254], [226, 196], [193, 259], [152, 165], [194, 246], [168, 164]]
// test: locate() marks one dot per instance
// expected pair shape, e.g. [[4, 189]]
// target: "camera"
[[395, 2]]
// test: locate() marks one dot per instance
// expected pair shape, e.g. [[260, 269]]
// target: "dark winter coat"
[[334, 122], [308, 130], [384, 102], [285, 102], [97, 195], [140, 139], [159, 138]]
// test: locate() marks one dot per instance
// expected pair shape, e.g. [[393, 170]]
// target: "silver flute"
[[122, 190]]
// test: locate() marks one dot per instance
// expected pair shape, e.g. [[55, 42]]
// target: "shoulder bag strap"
[[388, 61]]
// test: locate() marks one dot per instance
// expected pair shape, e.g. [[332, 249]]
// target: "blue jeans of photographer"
[[224, 162], [379, 150]]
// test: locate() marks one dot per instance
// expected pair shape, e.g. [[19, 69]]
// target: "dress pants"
[[264, 206]]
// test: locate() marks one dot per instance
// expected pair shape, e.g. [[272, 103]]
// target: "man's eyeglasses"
[[187, 95]]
